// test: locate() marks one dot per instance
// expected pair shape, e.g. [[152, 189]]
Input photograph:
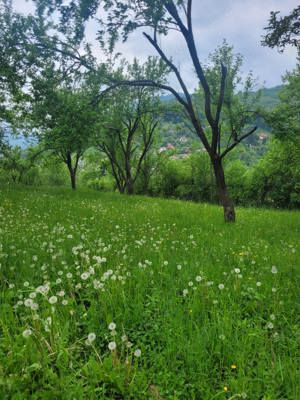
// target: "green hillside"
[[111, 297], [269, 97]]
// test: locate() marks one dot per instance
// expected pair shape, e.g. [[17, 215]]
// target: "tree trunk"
[[224, 198], [73, 179], [129, 187]]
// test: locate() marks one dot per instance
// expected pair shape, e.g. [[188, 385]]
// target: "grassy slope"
[[190, 344]]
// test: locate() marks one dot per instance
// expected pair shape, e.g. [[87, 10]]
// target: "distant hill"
[[269, 97]]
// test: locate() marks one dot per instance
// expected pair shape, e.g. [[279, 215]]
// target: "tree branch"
[[170, 64], [141, 83], [233, 145], [216, 131]]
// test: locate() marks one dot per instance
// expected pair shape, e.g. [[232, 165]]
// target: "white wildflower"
[[112, 346], [112, 326], [84, 276], [138, 353], [53, 300], [27, 333], [274, 270]]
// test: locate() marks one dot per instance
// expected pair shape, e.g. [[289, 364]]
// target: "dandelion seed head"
[[138, 353], [112, 326], [27, 333], [112, 346], [53, 300], [274, 270]]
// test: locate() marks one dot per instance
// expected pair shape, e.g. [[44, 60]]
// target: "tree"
[[285, 118], [160, 17], [131, 118], [13, 64], [126, 147], [18, 162], [283, 31], [65, 121]]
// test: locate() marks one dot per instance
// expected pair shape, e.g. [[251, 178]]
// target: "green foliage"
[[64, 120], [284, 119], [19, 166], [283, 31], [276, 177], [130, 117], [13, 63], [240, 105]]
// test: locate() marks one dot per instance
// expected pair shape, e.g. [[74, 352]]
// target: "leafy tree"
[[275, 179], [127, 133], [285, 118], [65, 121], [283, 31], [127, 137], [17, 162], [13, 64]]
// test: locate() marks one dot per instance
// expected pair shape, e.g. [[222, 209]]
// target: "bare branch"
[[216, 131], [170, 64], [237, 141], [141, 83]]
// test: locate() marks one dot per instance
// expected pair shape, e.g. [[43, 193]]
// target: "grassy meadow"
[[111, 297]]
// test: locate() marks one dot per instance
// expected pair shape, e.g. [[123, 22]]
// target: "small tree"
[[65, 121], [18, 162], [129, 124]]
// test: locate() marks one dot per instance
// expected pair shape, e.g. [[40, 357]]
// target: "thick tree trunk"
[[224, 198]]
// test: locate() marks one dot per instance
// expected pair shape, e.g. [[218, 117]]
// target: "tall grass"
[[110, 297]]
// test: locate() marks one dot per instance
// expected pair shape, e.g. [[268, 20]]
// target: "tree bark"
[[73, 179], [224, 198], [129, 187]]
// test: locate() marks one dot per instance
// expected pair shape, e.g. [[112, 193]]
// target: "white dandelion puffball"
[[53, 300], [274, 270], [138, 353], [27, 333], [112, 346], [91, 337], [84, 276], [112, 326], [221, 286]]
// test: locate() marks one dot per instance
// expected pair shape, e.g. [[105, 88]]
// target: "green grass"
[[198, 340]]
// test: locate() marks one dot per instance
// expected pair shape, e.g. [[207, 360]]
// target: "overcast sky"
[[240, 22]]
